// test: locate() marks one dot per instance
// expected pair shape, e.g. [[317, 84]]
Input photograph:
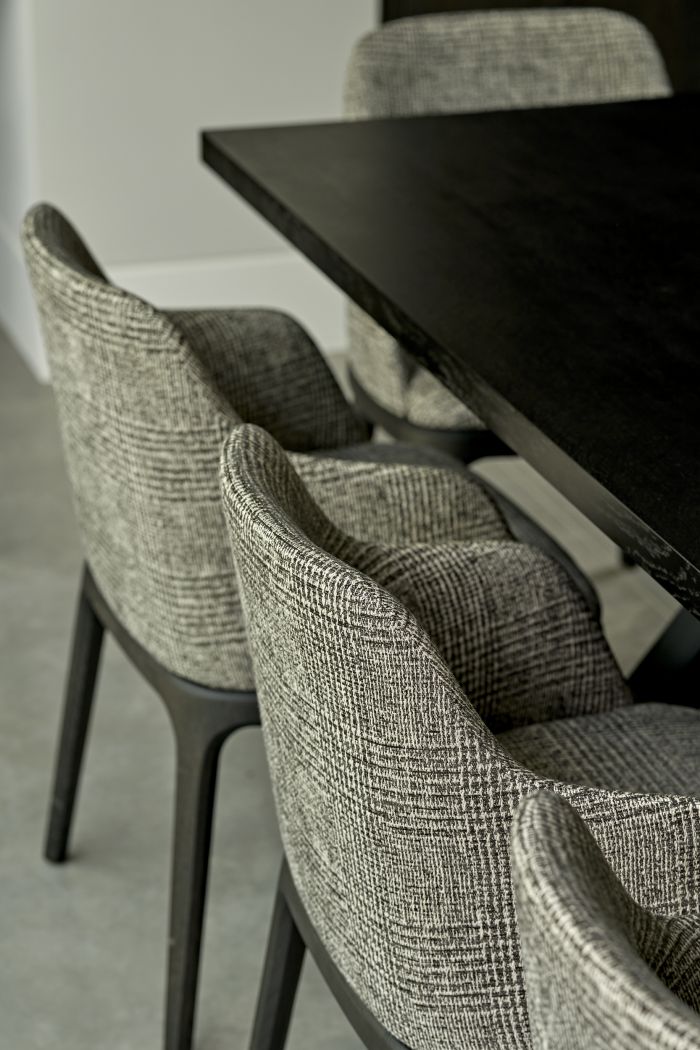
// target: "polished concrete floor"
[[82, 946]]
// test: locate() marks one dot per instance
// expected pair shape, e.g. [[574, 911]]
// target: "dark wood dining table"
[[545, 265]]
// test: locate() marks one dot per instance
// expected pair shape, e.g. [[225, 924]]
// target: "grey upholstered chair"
[[601, 972], [393, 795], [476, 61], [145, 398]]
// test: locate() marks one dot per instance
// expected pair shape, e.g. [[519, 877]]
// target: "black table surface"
[[545, 265]]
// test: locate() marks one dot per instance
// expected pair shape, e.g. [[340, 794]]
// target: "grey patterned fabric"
[[435, 508], [264, 365], [145, 398], [648, 747], [477, 61], [601, 971], [400, 502], [393, 797], [519, 639]]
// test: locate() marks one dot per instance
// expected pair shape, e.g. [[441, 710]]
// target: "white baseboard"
[[283, 281]]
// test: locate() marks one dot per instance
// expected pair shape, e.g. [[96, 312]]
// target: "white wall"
[[17, 170], [120, 93]]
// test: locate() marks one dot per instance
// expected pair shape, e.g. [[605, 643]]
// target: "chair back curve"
[[600, 970], [145, 398], [474, 61], [393, 798], [141, 428], [343, 672]]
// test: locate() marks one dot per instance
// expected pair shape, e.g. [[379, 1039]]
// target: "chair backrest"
[[477, 61], [481, 60], [143, 413], [393, 798], [600, 970], [359, 719]]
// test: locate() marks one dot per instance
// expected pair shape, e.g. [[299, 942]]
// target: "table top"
[[545, 265]]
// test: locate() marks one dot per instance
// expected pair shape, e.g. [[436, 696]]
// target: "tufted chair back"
[[472, 62], [600, 970], [394, 799], [145, 398]]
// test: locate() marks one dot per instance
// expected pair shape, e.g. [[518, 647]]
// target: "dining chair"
[[394, 797], [472, 62], [601, 972], [145, 398]]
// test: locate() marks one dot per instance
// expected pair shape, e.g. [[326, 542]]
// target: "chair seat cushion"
[[649, 748]]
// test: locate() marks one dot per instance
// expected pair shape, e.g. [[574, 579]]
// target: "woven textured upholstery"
[[518, 637], [601, 971], [630, 749], [405, 499], [268, 369], [400, 502], [393, 797], [143, 416], [477, 61], [145, 398]]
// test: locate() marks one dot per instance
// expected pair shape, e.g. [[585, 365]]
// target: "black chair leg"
[[88, 633], [283, 961], [202, 718], [200, 731]]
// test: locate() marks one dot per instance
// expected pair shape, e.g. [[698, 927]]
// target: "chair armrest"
[[518, 636], [436, 539], [380, 501], [270, 371], [526, 530], [591, 955], [643, 834]]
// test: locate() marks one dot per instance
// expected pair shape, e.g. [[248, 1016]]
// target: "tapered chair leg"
[[200, 731], [80, 687], [283, 960]]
